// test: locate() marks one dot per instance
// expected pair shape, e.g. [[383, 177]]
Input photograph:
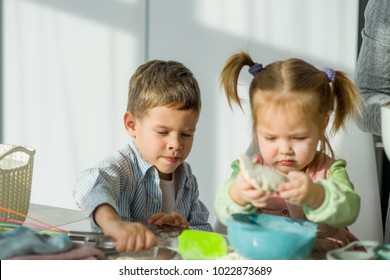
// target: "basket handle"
[[18, 149]]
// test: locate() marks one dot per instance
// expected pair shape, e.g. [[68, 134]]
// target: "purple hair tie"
[[330, 73], [255, 68]]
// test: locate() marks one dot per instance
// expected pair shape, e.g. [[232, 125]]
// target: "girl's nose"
[[285, 147]]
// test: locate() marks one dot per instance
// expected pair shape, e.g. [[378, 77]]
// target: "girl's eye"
[[269, 138], [187, 135], [299, 138]]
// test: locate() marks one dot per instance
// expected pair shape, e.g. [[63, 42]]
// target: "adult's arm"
[[372, 73]]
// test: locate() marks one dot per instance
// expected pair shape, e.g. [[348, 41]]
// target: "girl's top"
[[339, 209], [131, 186]]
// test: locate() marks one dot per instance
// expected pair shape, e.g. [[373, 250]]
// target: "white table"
[[68, 219]]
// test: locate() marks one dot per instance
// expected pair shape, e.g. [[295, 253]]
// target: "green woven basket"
[[16, 170]]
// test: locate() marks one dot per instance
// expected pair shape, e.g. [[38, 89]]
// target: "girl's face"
[[164, 137], [287, 140]]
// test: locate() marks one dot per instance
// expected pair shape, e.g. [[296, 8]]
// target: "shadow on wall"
[[75, 59], [98, 10]]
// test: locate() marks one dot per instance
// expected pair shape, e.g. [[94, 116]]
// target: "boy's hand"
[[300, 189], [243, 193], [129, 236], [173, 219]]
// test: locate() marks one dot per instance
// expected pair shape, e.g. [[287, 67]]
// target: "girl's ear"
[[326, 121], [130, 121]]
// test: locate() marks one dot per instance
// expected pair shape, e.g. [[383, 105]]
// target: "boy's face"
[[164, 137]]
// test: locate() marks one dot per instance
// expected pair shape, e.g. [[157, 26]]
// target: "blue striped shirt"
[[132, 187]]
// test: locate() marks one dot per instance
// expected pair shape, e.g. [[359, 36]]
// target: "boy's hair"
[[162, 83], [294, 84]]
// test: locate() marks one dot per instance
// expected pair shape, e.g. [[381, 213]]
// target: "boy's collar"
[[143, 165]]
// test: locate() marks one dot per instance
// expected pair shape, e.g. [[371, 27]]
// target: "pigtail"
[[230, 73], [347, 100]]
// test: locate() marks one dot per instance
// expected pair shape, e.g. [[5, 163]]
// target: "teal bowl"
[[269, 237]]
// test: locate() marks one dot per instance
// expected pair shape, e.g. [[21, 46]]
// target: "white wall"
[[67, 65]]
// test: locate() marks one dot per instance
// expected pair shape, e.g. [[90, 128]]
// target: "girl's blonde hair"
[[296, 84]]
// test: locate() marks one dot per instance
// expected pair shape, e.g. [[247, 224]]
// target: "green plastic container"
[[201, 245]]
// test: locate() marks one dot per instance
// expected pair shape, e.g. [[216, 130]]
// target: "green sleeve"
[[224, 205], [341, 204]]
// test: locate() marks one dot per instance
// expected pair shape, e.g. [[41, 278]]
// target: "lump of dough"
[[261, 177]]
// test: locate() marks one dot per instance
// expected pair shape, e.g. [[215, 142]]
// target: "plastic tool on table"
[[196, 245], [93, 238], [190, 244]]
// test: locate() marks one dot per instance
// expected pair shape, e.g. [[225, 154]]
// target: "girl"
[[291, 102]]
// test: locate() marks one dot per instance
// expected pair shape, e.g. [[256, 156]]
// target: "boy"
[[148, 181]]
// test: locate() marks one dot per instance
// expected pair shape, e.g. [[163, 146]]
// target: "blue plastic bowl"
[[269, 237]]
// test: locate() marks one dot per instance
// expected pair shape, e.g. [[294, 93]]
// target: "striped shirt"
[[131, 186]]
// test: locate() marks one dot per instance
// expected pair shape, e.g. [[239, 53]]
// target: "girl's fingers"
[[255, 194]]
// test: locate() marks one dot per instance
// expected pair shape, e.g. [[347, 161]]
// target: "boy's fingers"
[[167, 219], [150, 239], [155, 217], [185, 224], [138, 245], [176, 215]]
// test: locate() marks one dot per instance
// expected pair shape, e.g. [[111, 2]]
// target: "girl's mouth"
[[287, 162]]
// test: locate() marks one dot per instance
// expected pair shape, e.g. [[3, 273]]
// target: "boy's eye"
[[299, 138], [269, 138], [187, 135], [162, 132]]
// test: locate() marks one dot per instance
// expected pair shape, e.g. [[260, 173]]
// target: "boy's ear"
[[129, 121]]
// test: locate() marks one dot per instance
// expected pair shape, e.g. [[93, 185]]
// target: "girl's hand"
[[129, 236], [173, 219], [243, 193], [300, 190]]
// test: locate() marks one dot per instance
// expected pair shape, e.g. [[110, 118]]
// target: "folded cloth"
[[25, 241], [79, 252]]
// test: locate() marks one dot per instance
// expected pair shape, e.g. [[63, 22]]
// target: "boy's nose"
[[175, 144]]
